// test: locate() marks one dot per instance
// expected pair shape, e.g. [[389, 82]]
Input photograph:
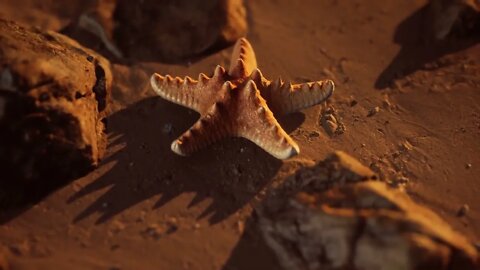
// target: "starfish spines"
[[219, 72], [200, 135], [228, 85], [309, 94], [262, 128], [238, 70], [188, 81], [274, 141], [235, 104], [251, 88], [175, 147], [258, 78], [287, 98], [243, 60], [175, 90], [202, 78]]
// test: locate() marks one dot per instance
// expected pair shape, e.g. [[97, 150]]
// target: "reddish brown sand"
[[146, 208]]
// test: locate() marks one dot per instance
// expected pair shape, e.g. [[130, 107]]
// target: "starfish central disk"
[[239, 103]]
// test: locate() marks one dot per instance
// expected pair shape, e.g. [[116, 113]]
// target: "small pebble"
[[331, 127], [406, 145], [463, 211], [402, 180], [329, 123], [468, 165], [386, 104], [167, 128], [330, 117], [353, 103], [236, 170], [314, 134], [373, 111], [340, 129], [397, 85], [6, 80]]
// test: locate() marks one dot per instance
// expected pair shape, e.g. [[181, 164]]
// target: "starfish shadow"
[[417, 49], [15, 200], [230, 173]]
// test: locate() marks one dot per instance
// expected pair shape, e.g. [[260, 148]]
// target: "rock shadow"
[[418, 48], [251, 252], [230, 172]]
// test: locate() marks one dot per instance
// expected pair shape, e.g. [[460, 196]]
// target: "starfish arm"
[[190, 93], [287, 98], [261, 127], [260, 81], [243, 60], [210, 128]]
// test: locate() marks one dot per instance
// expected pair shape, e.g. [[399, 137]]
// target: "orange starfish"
[[234, 103]]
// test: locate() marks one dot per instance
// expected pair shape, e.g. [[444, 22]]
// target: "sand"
[[146, 208]]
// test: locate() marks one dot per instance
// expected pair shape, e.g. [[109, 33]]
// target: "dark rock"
[[53, 97], [93, 28], [358, 224], [172, 31], [337, 169], [463, 211], [458, 17]]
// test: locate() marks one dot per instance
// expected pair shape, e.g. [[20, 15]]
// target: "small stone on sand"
[[167, 128], [463, 211], [373, 111]]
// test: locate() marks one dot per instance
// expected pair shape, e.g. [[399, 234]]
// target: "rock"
[[386, 104], [54, 96], [88, 25], [173, 31], [359, 225], [330, 127], [314, 134], [406, 146], [331, 124], [93, 28], [373, 111], [444, 14], [52, 15], [463, 211], [337, 169], [157, 231], [167, 128], [400, 181], [353, 102]]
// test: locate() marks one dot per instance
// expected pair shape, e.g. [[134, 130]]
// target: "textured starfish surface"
[[234, 103]]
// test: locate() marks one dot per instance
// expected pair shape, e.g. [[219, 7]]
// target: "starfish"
[[234, 104]]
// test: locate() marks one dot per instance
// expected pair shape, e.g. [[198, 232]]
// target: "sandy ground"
[[146, 208]]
